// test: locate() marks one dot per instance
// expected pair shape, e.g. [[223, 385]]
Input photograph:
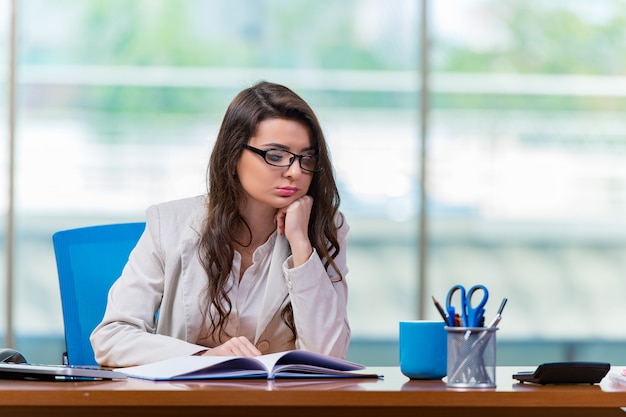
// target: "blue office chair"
[[89, 260]]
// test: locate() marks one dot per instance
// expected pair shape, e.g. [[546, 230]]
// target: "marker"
[[443, 313]]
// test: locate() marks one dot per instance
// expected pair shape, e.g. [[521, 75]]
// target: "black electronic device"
[[565, 373]]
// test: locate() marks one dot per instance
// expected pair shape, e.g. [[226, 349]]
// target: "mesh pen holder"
[[471, 357]]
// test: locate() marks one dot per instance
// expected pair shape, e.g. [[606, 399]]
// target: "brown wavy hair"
[[250, 107]]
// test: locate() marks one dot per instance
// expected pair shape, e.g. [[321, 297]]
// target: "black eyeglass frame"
[[295, 156]]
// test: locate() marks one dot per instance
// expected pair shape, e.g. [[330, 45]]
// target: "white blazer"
[[154, 308]]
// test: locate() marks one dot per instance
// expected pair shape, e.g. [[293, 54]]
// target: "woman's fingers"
[[236, 346]]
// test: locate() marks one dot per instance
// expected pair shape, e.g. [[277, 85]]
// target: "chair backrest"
[[89, 260]]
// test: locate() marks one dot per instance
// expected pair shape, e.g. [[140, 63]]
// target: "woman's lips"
[[287, 191]]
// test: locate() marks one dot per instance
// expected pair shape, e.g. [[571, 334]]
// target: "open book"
[[290, 364]]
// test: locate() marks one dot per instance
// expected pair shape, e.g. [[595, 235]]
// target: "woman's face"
[[271, 186]]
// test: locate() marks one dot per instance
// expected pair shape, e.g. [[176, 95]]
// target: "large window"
[[527, 151], [119, 103]]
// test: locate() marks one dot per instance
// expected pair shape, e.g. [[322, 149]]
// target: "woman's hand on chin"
[[293, 222]]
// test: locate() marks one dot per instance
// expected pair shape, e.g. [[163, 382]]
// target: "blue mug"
[[423, 349]]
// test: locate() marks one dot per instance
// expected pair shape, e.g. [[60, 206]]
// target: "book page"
[[198, 367], [289, 364], [300, 364]]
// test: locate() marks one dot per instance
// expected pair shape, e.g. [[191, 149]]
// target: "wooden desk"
[[396, 395]]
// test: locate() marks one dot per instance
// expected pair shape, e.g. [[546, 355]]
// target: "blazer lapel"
[[194, 285]]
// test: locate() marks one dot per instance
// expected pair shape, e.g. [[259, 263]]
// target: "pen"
[[494, 322], [443, 313]]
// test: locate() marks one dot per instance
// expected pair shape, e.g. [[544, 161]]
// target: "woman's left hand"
[[293, 222]]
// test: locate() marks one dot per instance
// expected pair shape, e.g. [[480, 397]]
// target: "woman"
[[256, 266]]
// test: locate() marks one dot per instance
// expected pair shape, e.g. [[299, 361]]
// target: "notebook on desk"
[[55, 372]]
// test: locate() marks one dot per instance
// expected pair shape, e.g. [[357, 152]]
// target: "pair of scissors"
[[471, 315]]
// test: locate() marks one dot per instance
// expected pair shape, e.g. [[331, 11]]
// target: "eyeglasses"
[[283, 158]]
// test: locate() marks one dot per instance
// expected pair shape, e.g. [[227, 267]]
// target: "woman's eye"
[[274, 156]]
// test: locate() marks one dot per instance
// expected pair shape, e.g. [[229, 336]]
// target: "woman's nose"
[[294, 169]]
